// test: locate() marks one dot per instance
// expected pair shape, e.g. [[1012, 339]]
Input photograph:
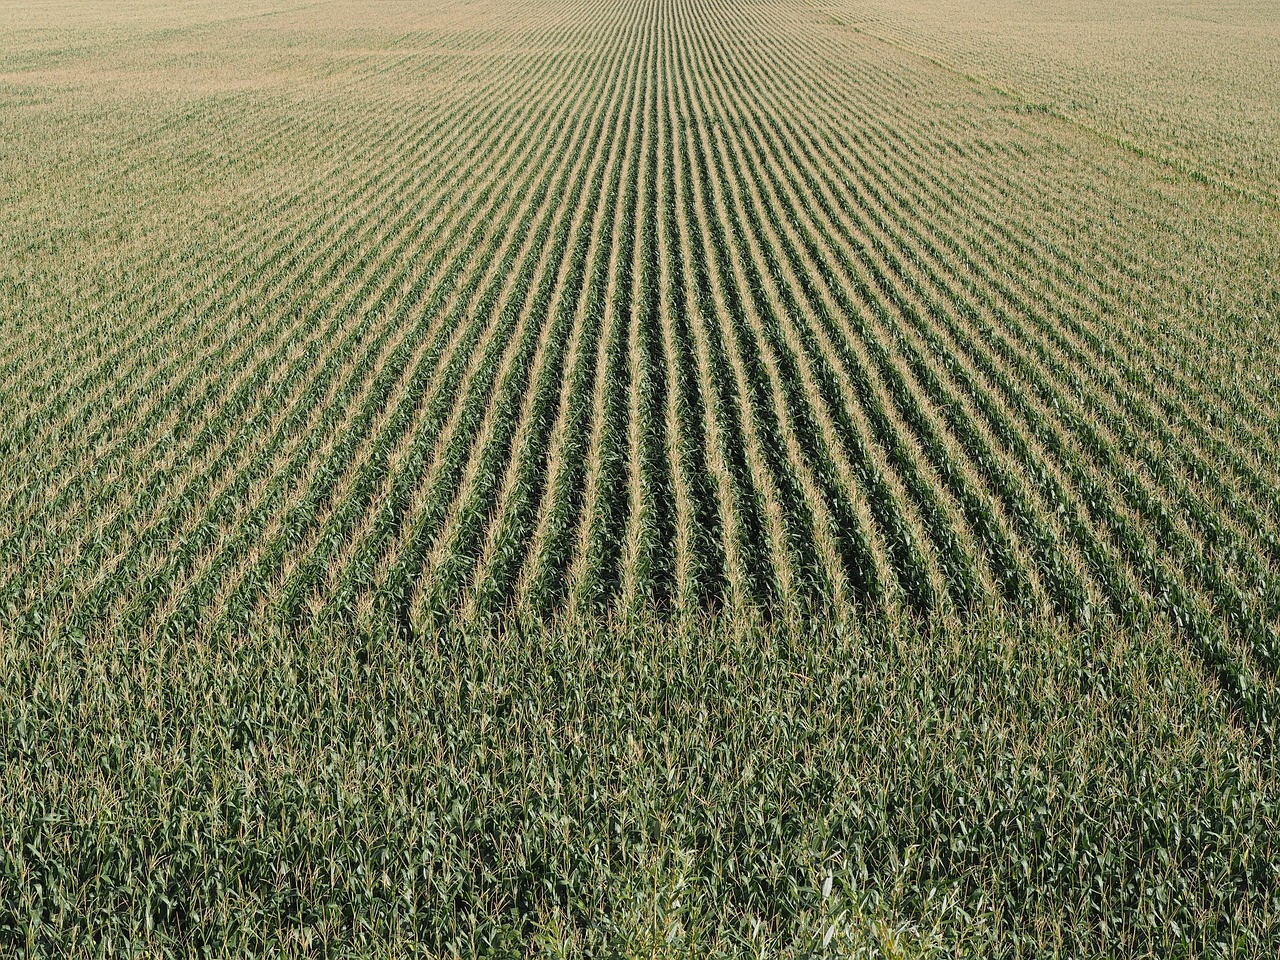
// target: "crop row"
[[685, 313]]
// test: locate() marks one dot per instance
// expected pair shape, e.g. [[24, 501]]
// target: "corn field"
[[639, 478]]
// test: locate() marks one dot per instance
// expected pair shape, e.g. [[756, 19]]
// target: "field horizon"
[[647, 478]]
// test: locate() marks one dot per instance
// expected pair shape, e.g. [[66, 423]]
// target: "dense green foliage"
[[984, 790], [640, 478]]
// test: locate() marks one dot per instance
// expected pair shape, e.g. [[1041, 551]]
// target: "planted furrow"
[[1103, 291], [1103, 436], [390, 569], [799, 347], [245, 375], [1234, 607], [592, 577], [534, 468], [227, 292], [750, 575], [411, 279], [859, 299], [1002, 405], [542, 582], [699, 552], [933, 471], [877, 285], [78, 347], [371, 476], [646, 563], [318, 557], [788, 403], [346, 310], [458, 547], [1219, 498]]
